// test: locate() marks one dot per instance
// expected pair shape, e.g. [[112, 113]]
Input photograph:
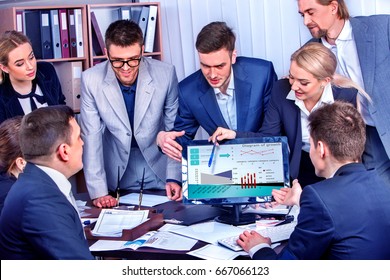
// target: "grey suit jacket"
[[105, 126], [372, 37]]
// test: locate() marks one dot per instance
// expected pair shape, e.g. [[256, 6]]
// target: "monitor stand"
[[235, 217]]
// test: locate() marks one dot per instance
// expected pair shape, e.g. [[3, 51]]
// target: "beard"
[[318, 34]]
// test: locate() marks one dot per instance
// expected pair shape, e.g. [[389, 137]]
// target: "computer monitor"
[[240, 172]]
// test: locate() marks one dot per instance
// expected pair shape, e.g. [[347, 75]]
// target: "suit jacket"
[[283, 117], [105, 126], [38, 222], [253, 80], [372, 37], [6, 182], [48, 82], [344, 217]]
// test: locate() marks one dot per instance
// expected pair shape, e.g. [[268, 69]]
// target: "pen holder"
[[154, 222]]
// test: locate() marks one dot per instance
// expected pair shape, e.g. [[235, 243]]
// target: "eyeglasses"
[[134, 62]]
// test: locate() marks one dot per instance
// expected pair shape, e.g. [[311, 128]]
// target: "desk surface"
[[171, 209]]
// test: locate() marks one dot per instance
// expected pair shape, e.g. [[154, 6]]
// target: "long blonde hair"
[[9, 41], [318, 60]]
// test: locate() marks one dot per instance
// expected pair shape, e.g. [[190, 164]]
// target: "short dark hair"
[[341, 127], [215, 36], [9, 143], [123, 33], [44, 129]]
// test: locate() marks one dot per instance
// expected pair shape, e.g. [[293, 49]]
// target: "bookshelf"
[[14, 18], [67, 51], [101, 15], [31, 20]]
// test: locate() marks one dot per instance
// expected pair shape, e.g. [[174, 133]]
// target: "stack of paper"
[[111, 222]]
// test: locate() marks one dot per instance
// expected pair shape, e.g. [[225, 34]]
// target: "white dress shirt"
[[25, 102], [227, 103], [348, 64], [326, 98]]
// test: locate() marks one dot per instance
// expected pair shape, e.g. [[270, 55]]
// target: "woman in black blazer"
[[11, 160], [25, 84], [311, 83]]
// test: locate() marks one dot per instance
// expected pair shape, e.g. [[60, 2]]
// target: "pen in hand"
[[212, 153], [141, 190]]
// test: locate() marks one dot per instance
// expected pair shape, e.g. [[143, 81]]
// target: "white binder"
[[78, 19], [151, 29]]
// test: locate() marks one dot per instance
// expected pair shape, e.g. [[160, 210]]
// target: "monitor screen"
[[240, 171]]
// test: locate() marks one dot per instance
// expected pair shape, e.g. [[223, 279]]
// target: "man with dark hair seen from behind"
[[40, 219], [362, 47], [346, 216], [228, 91]]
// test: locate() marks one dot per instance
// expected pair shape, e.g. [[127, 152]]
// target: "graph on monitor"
[[236, 170]]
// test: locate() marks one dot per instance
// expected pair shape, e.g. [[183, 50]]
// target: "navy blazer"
[[48, 82], [198, 106], [6, 182], [283, 118], [38, 222], [344, 217]]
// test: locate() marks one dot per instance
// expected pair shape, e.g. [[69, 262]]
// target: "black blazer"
[[48, 82]]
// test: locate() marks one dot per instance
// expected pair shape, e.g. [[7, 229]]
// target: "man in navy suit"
[[228, 91], [362, 47], [40, 218], [346, 216]]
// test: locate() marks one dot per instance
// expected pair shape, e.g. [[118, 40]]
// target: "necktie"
[[41, 99]]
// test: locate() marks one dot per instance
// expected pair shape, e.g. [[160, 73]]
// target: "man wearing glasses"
[[125, 102]]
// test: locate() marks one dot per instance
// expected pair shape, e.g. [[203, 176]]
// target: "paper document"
[[148, 200], [107, 245], [162, 240], [111, 222], [260, 209], [214, 252], [209, 232]]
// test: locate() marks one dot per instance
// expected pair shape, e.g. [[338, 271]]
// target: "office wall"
[[270, 29]]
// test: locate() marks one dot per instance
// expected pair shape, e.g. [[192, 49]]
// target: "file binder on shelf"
[[97, 37], [151, 29], [20, 24], [69, 74], [78, 19], [46, 40], [64, 35], [143, 19], [72, 34], [33, 31], [55, 34], [125, 13], [136, 13]]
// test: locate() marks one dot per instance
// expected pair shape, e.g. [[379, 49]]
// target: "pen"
[[141, 190], [212, 153], [117, 185]]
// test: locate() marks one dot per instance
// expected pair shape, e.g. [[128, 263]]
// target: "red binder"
[[72, 33], [64, 35]]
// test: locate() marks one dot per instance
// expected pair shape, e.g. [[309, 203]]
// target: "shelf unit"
[[107, 13], [8, 21]]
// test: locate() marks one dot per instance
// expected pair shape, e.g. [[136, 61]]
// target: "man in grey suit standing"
[[125, 102], [362, 47]]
